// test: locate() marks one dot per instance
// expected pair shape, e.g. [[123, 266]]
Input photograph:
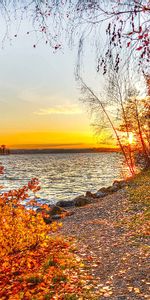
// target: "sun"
[[131, 138]]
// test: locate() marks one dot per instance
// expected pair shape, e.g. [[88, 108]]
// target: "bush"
[[34, 263]]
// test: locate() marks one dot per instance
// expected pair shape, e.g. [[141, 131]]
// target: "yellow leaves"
[[27, 294], [5, 264], [30, 263], [122, 271], [21, 295], [130, 288], [54, 226], [137, 290], [136, 220], [134, 289], [35, 263], [107, 294], [105, 291], [14, 297], [44, 244], [81, 265], [60, 224]]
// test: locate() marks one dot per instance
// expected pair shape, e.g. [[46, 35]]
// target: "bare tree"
[[3, 149], [97, 106], [137, 120]]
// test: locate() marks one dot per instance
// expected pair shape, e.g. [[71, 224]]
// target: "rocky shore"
[[64, 208], [110, 234]]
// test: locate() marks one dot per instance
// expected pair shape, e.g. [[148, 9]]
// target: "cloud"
[[70, 109]]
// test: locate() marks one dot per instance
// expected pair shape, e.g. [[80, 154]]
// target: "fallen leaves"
[[35, 262]]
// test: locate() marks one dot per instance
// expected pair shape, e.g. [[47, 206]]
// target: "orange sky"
[[52, 140], [39, 98]]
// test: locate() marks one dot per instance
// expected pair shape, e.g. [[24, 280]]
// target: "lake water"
[[62, 176]]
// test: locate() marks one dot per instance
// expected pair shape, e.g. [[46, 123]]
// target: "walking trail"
[[116, 260]]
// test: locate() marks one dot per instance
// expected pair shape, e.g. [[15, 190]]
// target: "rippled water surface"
[[62, 176]]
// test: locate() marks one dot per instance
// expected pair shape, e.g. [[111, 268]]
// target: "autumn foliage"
[[34, 262]]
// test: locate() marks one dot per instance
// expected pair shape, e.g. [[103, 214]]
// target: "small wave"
[[15, 178]]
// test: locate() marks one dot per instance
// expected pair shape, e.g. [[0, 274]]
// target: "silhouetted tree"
[[3, 149]]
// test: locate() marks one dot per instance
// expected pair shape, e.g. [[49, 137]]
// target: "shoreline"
[[64, 208], [62, 151], [105, 233], [112, 238]]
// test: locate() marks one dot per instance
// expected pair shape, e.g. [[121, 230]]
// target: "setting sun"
[[131, 138]]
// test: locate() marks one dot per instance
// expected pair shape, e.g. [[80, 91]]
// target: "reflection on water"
[[62, 176]]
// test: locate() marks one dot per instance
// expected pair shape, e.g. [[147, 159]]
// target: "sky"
[[39, 97]]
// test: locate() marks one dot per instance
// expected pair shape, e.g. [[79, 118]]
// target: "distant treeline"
[[59, 151]]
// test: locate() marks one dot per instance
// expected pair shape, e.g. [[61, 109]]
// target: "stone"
[[68, 203], [55, 210], [112, 189], [103, 190], [90, 195], [56, 217], [54, 213], [39, 209], [100, 194], [82, 200], [47, 220], [119, 184]]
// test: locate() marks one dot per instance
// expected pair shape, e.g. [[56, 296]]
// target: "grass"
[[140, 191], [139, 205]]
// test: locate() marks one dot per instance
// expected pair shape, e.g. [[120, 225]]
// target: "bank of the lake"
[[99, 253], [112, 239]]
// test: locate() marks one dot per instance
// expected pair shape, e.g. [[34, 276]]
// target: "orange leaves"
[[33, 185], [34, 263], [1, 170], [49, 269]]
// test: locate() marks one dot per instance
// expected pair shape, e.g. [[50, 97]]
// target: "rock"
[[103, 190], [90, 195], [47, 220], [82, 200], [112, 189], [68, 203], [56, 210], [109, 190], [54, 213], [100, 194], [119, 184], [39, 209], [56, 217]]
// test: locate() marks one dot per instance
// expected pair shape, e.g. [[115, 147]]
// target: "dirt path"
[[119, 265]]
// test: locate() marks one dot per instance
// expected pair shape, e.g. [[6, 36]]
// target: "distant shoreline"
[[61, 151]]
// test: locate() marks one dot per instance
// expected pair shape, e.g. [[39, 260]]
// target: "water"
[[62, 176]]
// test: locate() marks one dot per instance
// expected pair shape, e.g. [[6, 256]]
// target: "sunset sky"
[[39, 97]]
